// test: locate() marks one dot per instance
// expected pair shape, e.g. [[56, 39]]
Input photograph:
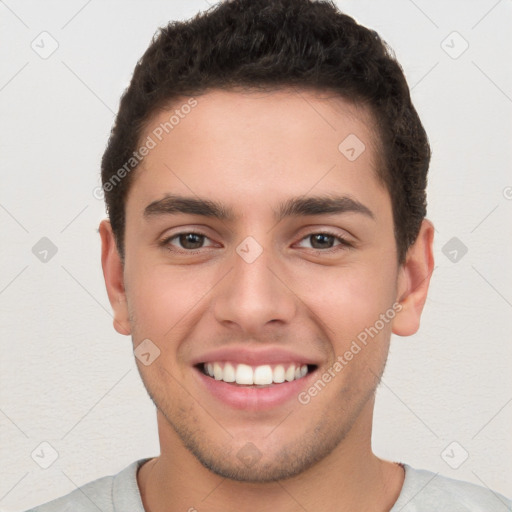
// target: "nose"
[[255, 293]]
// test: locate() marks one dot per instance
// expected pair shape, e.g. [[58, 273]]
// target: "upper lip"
[[244, 355]]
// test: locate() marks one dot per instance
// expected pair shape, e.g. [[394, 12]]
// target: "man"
[[265, 184]]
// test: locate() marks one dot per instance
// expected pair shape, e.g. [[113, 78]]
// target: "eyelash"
[[344, 243]]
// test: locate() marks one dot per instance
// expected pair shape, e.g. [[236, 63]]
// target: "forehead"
[[255, 146]]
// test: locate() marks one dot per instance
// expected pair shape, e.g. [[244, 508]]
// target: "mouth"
[[239, 374], [254, 387]]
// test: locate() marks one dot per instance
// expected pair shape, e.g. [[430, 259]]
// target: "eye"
[[188, 241], [325, 240]]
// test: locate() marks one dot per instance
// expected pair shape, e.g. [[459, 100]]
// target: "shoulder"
[[425, 491], [91, 496], [107, 494]]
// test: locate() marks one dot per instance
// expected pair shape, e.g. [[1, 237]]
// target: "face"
[[259, 247]]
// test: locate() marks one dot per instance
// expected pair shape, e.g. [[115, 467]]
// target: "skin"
[[250, 152]]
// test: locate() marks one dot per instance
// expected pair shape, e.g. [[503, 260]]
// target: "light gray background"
[[68, 379]]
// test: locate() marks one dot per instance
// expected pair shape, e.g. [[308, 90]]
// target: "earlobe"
[[413, 281], [113, 274]]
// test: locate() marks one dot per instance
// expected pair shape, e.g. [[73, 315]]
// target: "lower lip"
[[254, 398]]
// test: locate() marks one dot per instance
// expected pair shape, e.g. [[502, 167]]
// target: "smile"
[[261, 375]]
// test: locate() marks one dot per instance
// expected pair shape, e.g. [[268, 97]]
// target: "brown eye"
[[325, 241], [321, 241], [191, 240], [186, 241]]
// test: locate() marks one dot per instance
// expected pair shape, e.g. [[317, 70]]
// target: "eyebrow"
[[294, 207]]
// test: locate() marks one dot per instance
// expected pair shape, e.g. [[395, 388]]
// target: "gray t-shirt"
[[422, 491]]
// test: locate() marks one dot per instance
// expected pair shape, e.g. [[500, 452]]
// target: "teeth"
[[290, 373], [263, 375], [217, 371], [229, 373], [244, 374], [278, 374], [259, 375]]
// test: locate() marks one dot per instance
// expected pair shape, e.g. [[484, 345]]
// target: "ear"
[[114, 278], [413, 281]]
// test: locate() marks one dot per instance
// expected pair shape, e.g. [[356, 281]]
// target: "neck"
[[350, 478]]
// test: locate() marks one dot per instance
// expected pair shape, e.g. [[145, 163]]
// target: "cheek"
[[162, 298], [348, 299]]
